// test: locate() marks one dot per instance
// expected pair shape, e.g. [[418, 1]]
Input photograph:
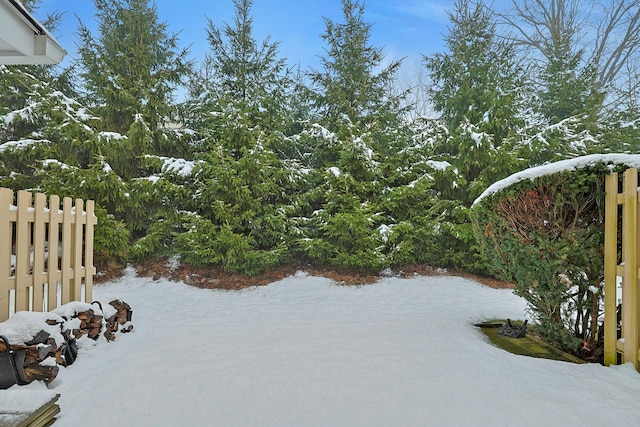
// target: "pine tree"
[[566, 90], [239, 70], [357, 120], [241, 187], [579, 72], [131, 69], [477, 80], [476, 87], [351, 95], [129, 72]]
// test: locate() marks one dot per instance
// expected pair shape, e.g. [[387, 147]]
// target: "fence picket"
[[39, 239], [90, 270], [76, 265], [67, 218], [610, 269], [26, 229], [6, 204], [53, 273], [630, 257], [23, 251]]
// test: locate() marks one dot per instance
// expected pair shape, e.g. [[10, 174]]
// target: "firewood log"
[[40, 372], [124, 312]]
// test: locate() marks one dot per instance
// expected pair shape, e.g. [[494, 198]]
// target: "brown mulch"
[[215, 278]]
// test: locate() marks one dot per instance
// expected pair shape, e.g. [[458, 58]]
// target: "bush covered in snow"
[[545, 234]]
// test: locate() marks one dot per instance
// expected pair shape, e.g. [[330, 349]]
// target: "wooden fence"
[[45, 251], [626, 348]]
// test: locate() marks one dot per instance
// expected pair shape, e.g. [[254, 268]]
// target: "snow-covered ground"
[[307, 352]]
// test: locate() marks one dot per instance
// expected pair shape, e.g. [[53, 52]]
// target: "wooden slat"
[[23, 251], [44, 416], [634, 298], [610, 269], [67, 217], [6, 202], [630, 259], [76, 262], [53, 273], [91, 220], [38, 278]]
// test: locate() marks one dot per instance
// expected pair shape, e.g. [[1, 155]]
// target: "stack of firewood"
[[44, 353]]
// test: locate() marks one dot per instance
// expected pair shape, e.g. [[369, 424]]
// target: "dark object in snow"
[[69, 350], [513, 331], [40, 338], [99, 305], [11, 366]]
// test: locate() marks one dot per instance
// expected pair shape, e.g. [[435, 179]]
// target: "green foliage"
[[351, 96], [477, 88], [132, 67], [566, 89], [346, 239], [322, 167], [239, 73], [545, 236], [478, 80], [157, 241], [111, 238], [205, 244]]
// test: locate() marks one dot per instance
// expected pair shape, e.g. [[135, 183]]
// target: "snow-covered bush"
[[545, 234]]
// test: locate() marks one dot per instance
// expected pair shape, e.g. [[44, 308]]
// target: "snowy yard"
[[307, 352]]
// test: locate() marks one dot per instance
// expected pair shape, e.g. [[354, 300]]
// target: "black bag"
[[11, 366]]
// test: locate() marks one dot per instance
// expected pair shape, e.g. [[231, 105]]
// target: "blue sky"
[[404, 28]]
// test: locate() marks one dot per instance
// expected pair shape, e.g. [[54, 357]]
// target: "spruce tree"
[[241, 71], [477, 80], [351, 94], [357, 120], [130, 71], [241, 191], [476, 86]]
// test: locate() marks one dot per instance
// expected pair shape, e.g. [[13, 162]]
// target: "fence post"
[[630, 275], [610, 270]]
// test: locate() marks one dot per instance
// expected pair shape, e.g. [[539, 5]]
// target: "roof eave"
[[23, 40]]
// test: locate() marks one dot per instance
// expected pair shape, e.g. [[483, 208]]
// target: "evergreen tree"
[[566, 90], [357, 122], [477, 80], [130, 72], [351, 95], [476, 87], [242, 187], [579, 73], [240, 71]]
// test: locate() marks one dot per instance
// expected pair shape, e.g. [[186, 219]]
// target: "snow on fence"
[[626, 348], [45, 251]]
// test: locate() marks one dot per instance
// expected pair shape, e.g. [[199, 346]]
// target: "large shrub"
[[546, 235]]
